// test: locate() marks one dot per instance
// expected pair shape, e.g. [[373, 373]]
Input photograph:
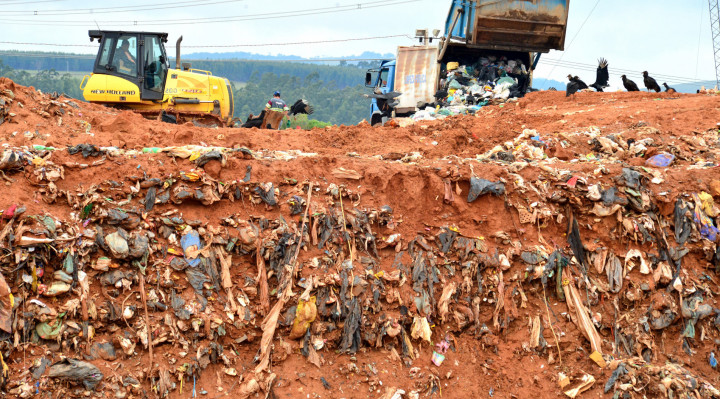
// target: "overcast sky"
[[667, 37]]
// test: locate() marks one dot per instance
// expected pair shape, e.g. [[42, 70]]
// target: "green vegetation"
[[303, 122], [47, 81], [334, 105], [335, 91]]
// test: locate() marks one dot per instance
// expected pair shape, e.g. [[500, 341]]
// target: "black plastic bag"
[[248, 174], [575, 242], [480, 187], [446, 239], [619, 372], [150, 199], [76, 371], [631, 178], [267, 196], [87, 150], [351, 339], [683, 222], [610, 197], [297, 205], [207, 157]]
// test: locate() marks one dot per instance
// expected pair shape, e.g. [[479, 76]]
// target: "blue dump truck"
[[477, 32]]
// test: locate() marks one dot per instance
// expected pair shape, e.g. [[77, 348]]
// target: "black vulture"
[[386, 102], [302, 107], [254, 121], [650, 83], [602, 77], [574, 85], [669, 89], [580, 83], [629, 84], [572, 88]]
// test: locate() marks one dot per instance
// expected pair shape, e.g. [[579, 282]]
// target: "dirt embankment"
[[575, 243]]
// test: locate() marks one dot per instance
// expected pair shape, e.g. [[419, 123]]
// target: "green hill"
[[334, 90]]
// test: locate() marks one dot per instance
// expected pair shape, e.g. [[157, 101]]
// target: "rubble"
[[334, 267]]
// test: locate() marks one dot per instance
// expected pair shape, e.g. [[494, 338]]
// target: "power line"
[[616, 72], [227, 45], [612, 70], [120, 9], [49, 44], [299, 43], [594, 67], [13, 2], [44, 55], [576, 34], [89, 57], [235, 18]]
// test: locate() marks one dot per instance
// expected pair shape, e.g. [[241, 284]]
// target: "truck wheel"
[[376, 119]]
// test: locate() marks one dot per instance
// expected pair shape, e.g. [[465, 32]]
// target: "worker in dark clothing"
[[277, 104], [125, 60]]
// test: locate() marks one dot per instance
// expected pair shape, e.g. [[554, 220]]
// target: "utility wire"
[[13, 2], [110, 10], [227, 45], [629, 74], [299, 43], [612, 71], [576, 35], [89, 57], [49, 44], [548, 61], [235, 18]]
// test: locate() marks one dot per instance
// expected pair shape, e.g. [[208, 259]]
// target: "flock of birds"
[[602, 80]]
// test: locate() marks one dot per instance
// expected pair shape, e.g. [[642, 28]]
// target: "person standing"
[[276, 110], [277, 104]]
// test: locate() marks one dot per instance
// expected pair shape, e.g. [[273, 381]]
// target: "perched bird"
[[574, 85], [629, 84], [650, 83], [302, 107], [580, 83], [602, 77], [669, 89]]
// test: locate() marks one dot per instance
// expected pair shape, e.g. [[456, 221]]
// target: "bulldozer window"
[[125, 57], [105, 56], [155, 64]]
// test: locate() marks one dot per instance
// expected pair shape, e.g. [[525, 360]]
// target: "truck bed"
[[512, 25]]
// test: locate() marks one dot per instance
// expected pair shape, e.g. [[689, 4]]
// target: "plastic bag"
[[305, 314], [190, 243], [661, 160], [421, 329], [87, 150], [76, 371], [480, 187], [267, 193]]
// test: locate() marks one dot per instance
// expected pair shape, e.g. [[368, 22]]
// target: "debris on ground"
[[534, 251]]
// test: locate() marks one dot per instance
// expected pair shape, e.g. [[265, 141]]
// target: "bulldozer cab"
[[138, 57]]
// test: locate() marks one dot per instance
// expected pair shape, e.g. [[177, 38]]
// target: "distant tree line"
[[47, 81], [336, 92]]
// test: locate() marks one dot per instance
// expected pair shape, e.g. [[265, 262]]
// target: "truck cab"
[[382, 81], [518, 30]]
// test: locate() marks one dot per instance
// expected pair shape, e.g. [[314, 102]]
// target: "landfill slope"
[[493, 255]]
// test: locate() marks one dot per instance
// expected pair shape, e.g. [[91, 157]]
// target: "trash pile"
[[581, 263], [465, 89]]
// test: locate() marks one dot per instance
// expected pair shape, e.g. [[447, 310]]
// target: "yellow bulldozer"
[[132, 71]]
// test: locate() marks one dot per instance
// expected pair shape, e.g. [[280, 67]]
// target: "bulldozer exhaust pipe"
[[177, 53]]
